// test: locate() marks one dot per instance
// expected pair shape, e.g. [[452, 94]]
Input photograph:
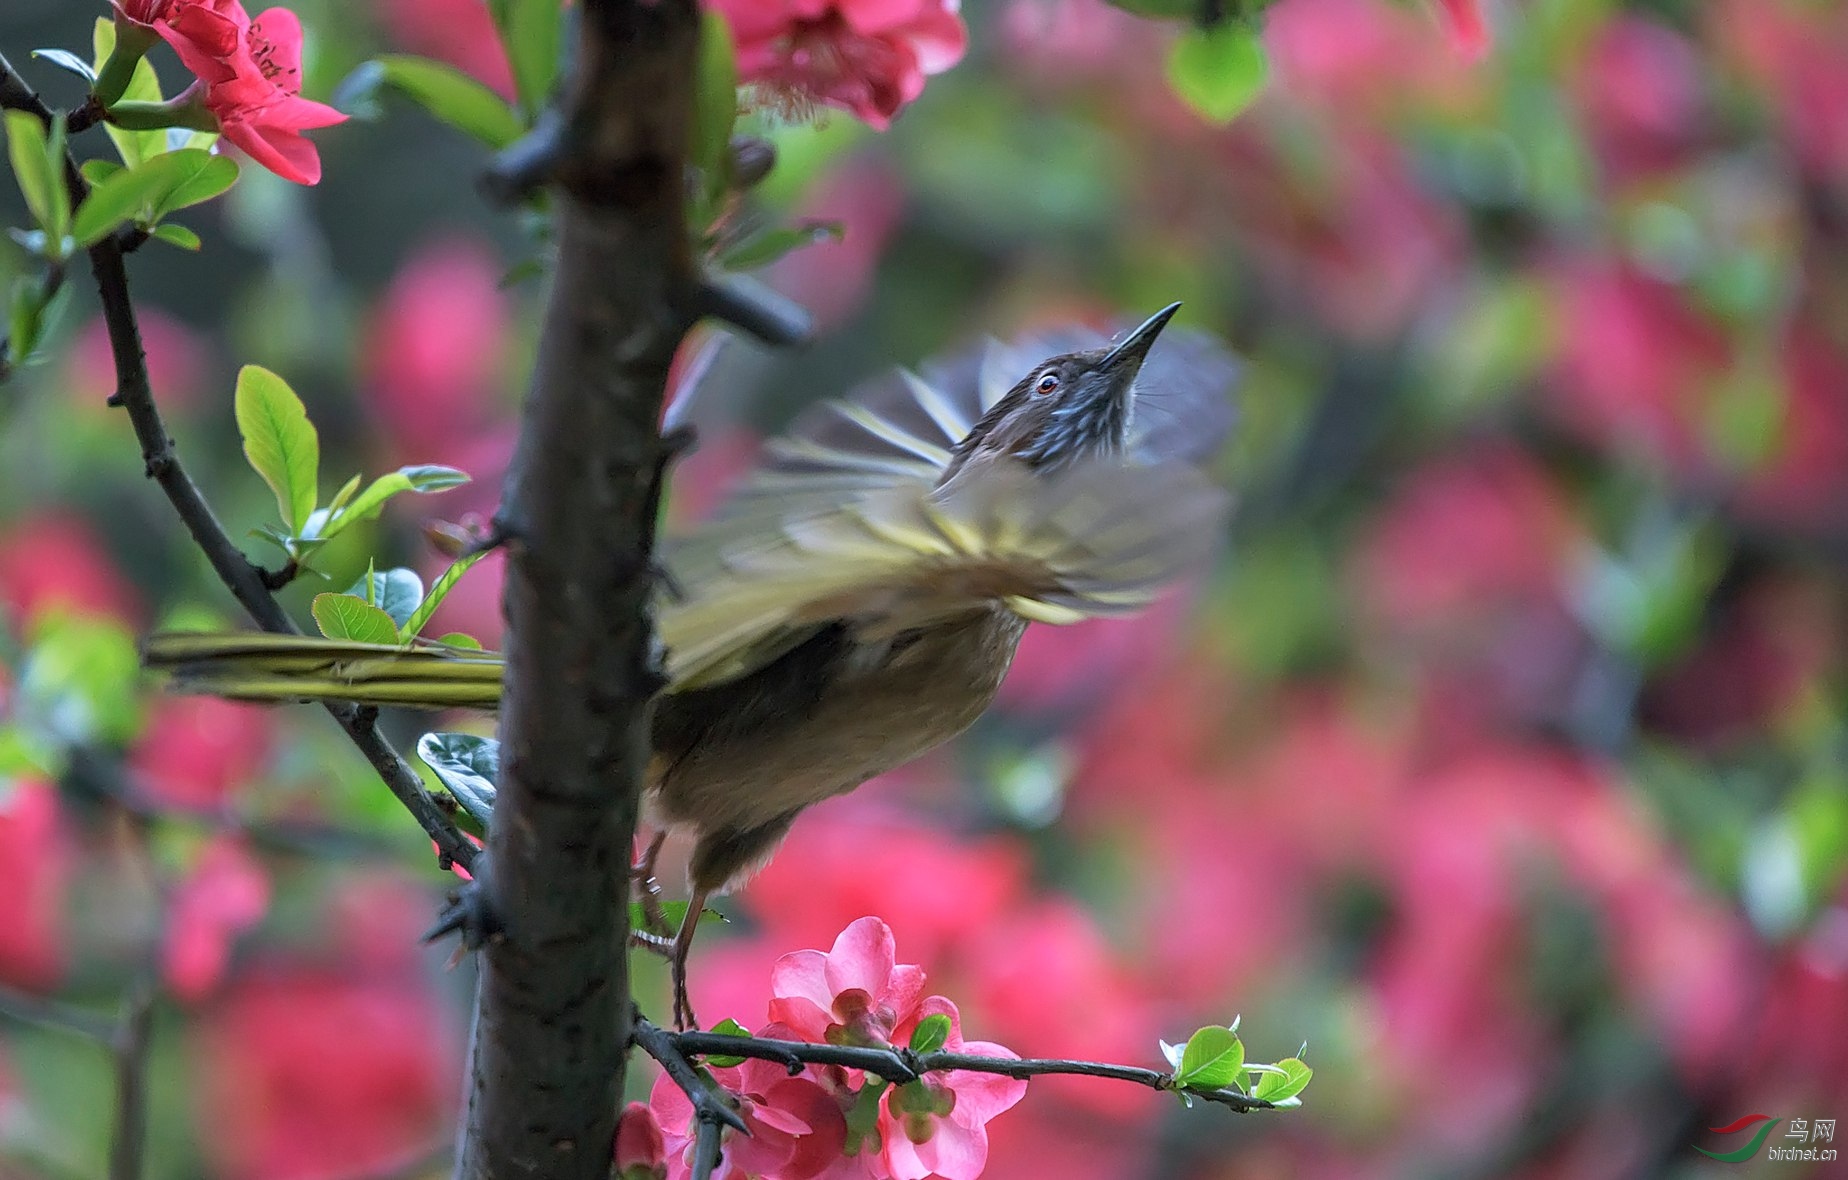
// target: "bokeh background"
[[1501, 758]]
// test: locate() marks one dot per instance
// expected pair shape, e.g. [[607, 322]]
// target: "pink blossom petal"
[[862, 958]]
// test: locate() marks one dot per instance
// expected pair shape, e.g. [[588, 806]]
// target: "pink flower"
[[224, 895], [933, 889], [196, 753], [252, 74], [435, 348], [176, 359], [261, 109], [1045, 978], [304, 1074], [855, 994], [641, 1152], [203, 32], [1639, 88], [55, 562], [938, 1125], [36, 866], [1469, 33], [865, 56], [798, 1128], [1360, 59], [1635, 362], [460, 32]]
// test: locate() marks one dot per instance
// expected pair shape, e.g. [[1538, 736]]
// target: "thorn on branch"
[[755, 310], [276, 579], [528, 163], [711, 1105], [470, 914]]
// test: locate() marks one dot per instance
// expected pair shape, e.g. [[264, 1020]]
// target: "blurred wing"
[[904, 426], [257, 667], [1100, 538]]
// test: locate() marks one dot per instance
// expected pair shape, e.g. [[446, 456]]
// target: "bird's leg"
[[683, 943], [648, 886]]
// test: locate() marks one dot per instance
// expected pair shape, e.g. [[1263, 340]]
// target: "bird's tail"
[[256, 667]]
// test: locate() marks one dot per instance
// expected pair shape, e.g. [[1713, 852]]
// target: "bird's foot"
[[684, 1020], [648, 890], [648, 940]]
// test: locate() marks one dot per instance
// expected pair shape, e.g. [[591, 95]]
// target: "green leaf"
[[673, 912], [80, 682], [98, 170], [1212, 1059], [279, 441], [425, 478], [444, 584], [133, 146], [27, 148], [347, 616], [449, 95], [468, 766], [530, 29], [1219, 71], [119, 198], [60, 195], [715, 101], [1282, 1087], [32, 316], [176, 235], [931, 1034], [459, 639], [395, 591], [69, 62], [190, 176], [767, 247], [727, 1028], [344, 494]]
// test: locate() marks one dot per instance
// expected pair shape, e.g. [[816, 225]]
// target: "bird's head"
[[1068, 407]]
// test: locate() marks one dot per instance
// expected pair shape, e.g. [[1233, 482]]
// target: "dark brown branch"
[[902, 1065], [553, 1011], [129, 1044]]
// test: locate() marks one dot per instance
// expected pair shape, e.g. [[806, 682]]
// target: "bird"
[[858, 601]]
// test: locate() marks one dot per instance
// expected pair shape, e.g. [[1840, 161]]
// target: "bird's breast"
[[847, 706]]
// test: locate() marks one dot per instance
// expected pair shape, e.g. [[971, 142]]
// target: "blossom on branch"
[[798, 1124], [856, 994], [938, 1125], [250, 77], [831, 1122], [641, 1151], [869, 57]]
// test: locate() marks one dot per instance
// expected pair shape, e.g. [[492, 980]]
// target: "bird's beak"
[[1125, 360]]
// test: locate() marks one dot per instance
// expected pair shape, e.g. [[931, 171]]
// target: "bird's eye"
[[1046, 384]]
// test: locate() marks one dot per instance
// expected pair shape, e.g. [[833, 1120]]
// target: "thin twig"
[[53, 1015], [903, 1065], [245, 580], [129, 1044], [708, 1099], [755, 309], [706, 1151]]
